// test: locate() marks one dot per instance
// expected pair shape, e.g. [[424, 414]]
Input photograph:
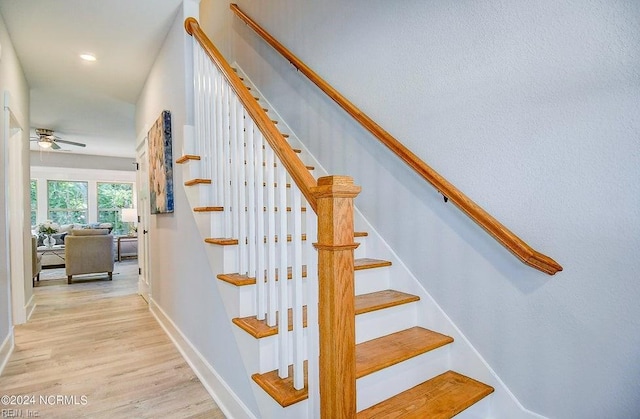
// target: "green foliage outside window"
[[112, 197], [67, 201], [34, 201]]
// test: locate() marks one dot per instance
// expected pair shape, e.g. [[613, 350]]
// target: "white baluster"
[[226, 154], [311, 227], [271, 237], [241, 164], [219, 143], [251, 199], [283, 293], [261, 265], [197, 93], [296, 283]]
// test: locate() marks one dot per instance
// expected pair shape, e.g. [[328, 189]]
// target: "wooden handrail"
[[492, 226], [295, 167]]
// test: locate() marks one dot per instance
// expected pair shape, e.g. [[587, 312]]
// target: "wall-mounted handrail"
[[498, 231], [296, 168]]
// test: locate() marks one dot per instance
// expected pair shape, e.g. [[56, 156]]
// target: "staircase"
[[402, 368]]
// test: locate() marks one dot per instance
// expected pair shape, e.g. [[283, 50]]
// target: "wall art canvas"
[[161, 165]]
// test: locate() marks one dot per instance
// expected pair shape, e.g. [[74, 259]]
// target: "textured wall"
[[531, 109]]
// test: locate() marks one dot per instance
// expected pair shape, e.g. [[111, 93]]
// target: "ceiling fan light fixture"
[[88, 57], [44, 143]]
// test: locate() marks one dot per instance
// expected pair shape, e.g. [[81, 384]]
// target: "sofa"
[[55, 259], [88, 251]]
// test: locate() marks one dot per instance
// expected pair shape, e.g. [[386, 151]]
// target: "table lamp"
[[130, 215]]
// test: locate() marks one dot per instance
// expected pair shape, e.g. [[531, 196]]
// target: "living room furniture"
[[89, 251], [133, 246], [51, 257], [36, 261]]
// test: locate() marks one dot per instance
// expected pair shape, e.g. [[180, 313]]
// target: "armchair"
[[88, 251], [36, 261]]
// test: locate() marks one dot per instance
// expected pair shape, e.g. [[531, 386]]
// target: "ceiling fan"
[[46, 139]]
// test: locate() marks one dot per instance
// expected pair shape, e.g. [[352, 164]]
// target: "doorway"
[[144, 284]]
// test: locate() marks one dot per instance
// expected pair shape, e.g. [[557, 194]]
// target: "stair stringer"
[[463, 357]]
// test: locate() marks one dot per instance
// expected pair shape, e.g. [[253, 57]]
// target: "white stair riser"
[[395, 379], [361, 250], [217, 219], [268, 351], [242, 300], [231, 256], [371, 280], [383, 322]]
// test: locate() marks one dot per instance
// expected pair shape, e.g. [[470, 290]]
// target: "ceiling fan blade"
[[70, 143], [55, 146]]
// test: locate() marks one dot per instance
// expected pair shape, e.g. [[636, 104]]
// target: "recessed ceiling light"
[[88, 57]]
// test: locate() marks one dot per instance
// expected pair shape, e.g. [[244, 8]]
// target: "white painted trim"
[[6, 349], [30, 307], [225, 398]]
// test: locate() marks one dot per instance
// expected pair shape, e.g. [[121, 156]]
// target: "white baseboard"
[[6, 349], [225, 398], [30, 307]]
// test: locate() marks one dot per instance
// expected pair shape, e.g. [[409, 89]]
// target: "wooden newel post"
[[336, 296]]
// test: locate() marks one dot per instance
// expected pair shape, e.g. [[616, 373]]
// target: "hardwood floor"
[[92, 349]]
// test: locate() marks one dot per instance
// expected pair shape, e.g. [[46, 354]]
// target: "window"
[[34, 201], [112, 197], [67, 201]]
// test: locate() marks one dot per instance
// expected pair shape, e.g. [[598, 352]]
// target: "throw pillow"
[[59, 238]]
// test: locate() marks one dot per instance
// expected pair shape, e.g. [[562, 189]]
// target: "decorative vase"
[[49, 241]]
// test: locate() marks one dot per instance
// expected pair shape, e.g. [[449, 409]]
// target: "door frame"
[[142, 182], [15, 185]]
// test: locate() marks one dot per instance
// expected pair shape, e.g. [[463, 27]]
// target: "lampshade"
[[129, 215]]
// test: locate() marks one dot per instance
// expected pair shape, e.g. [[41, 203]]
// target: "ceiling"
[[87, 102]]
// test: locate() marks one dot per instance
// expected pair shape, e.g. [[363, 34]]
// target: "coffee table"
[[57, 250]]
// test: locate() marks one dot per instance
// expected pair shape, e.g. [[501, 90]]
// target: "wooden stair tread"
[[441, 397], [260, 329], [280, 389], [368, 263], [242, 280], [222, 241], [208, 209], [380, 353], [193, 182], [379, 300], [186, 158]]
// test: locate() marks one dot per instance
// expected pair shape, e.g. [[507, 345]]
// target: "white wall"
[[81, 161], [12, 80], [531, 109], [182, 283]]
